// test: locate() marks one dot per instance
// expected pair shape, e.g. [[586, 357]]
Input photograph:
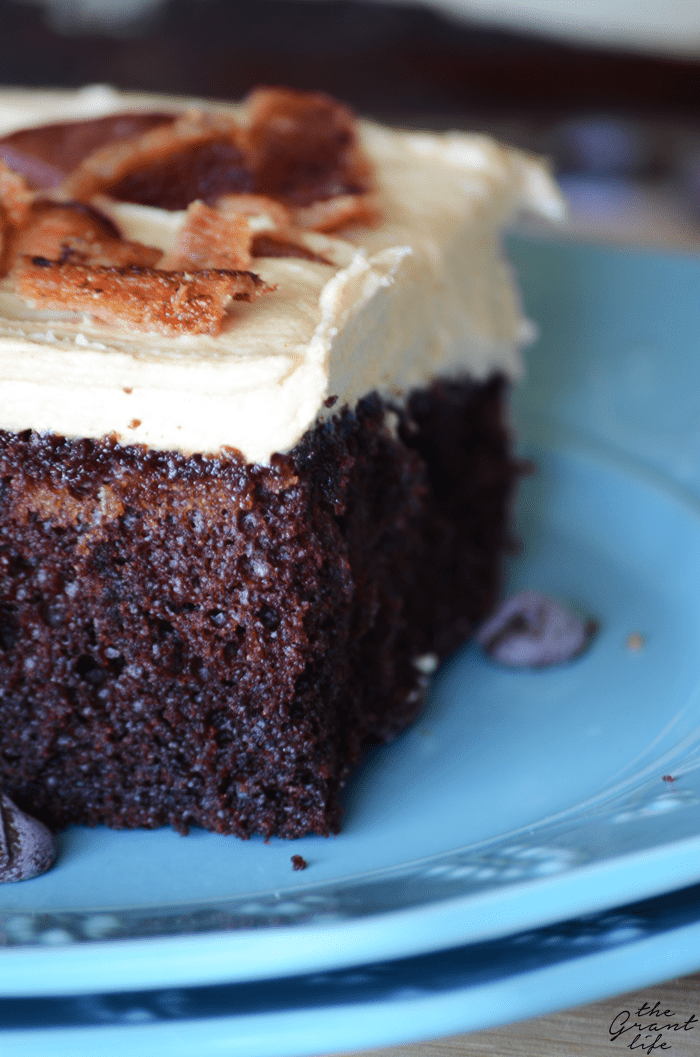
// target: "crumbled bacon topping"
[[15, 196], [283, 238], [45, 155], [296, 148], [75, 231], [332, 214], [294, 159], [249, 205], [277, 244], [302, 146], [105, 168], [209, 239], [142, 298], [200, 171]]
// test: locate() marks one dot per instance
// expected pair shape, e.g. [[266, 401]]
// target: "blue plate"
[[466, 988], [519, 799]]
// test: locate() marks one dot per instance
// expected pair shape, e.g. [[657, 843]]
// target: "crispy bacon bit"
[[277, 244], [255, 206], [283, 239], [145, 299], [332, 214], [204, 171], [105, 168], [209, 239], [296, 160], [60, 231], [15, 196], [302, 146], [46, 154]]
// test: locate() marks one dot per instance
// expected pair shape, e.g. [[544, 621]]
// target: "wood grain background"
[[580, 1032]]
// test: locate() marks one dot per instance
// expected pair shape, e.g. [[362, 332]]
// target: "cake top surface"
[[394, 273]]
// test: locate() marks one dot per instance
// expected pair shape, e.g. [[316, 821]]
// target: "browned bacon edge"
[[146, 299]]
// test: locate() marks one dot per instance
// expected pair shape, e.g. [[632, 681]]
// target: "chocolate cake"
[[255, 477]]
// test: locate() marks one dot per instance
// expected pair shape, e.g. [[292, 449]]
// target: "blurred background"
[[608, 89]]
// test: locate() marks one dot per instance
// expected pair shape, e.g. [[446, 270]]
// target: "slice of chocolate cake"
[[254, 473]]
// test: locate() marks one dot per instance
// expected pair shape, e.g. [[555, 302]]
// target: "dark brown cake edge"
[[200, 641]]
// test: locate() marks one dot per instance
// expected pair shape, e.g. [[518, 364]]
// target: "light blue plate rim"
[[388, 1003]]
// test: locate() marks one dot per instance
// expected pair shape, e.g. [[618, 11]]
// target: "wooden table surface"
[[585, 1031]]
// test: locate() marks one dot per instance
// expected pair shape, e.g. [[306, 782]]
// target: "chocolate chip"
[[531, 630], [27, 847], [298, 863]]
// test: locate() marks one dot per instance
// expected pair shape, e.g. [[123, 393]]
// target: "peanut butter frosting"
[[395, 277]]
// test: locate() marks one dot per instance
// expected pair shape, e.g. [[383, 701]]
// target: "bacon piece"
[[15, 196], [280, 244], [38, 174], [60, 231], [250, 205], [332, 214], [146, 299], [302, 146], [156, 158], [44, 155], [203, 171], [209, 239], [282, 240], [4, 233]]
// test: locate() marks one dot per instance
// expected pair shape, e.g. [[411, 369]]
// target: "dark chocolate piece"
[[27, 847], [299, 862], [531, 630]]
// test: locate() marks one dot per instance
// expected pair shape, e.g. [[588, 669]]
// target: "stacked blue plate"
[[532, 843]]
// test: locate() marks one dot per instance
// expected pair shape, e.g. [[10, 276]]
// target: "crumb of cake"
[[667, 778], [531, 630], [298, 862], [27, 847], [145, 299], [427, 663], [635, 642]]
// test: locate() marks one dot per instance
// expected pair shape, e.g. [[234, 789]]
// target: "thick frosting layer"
[[426, 294]]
